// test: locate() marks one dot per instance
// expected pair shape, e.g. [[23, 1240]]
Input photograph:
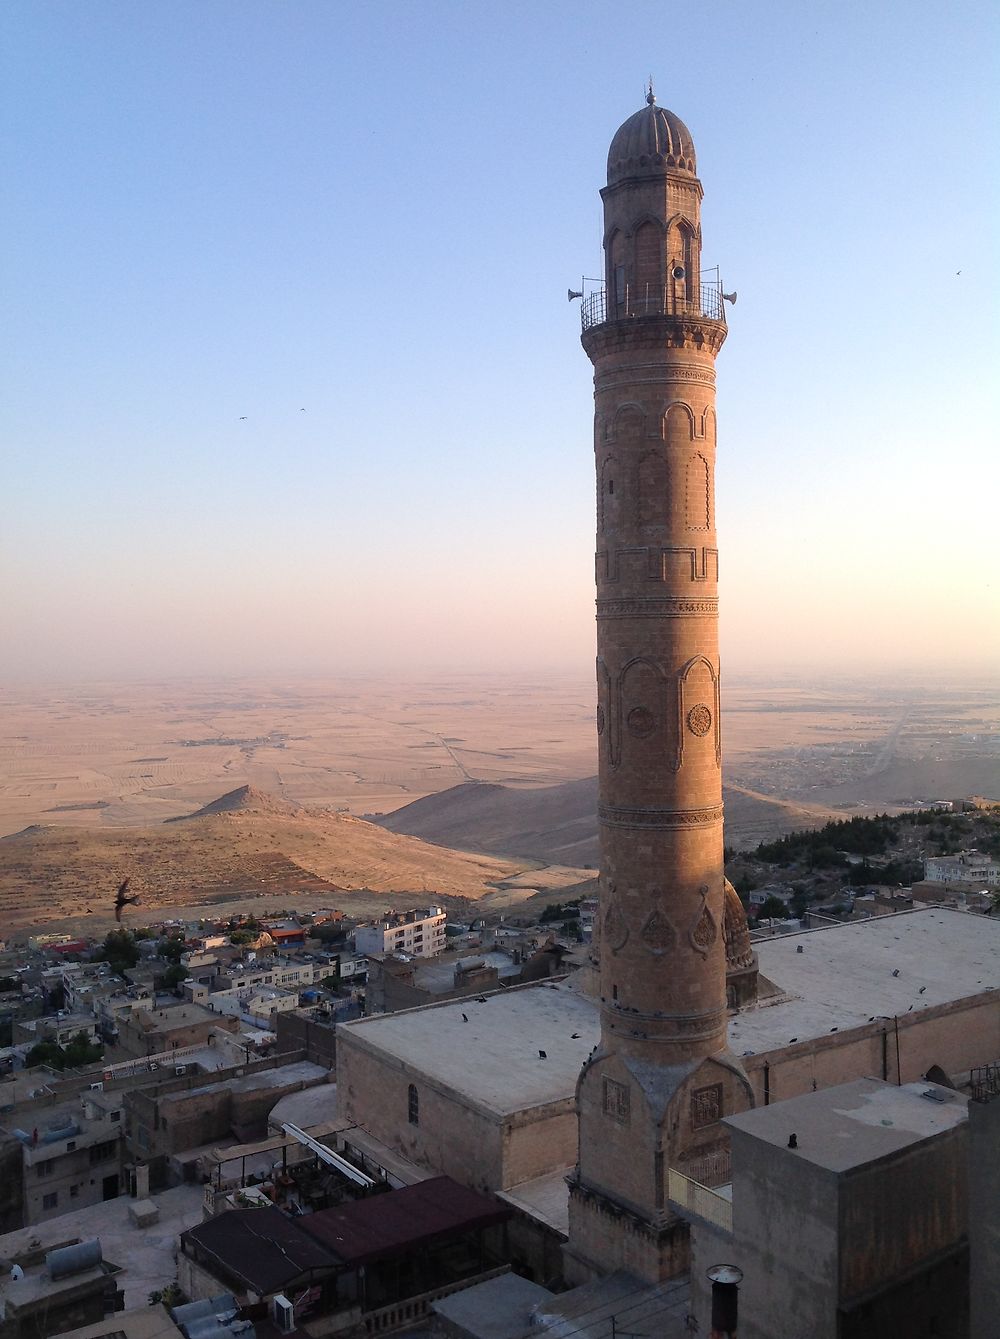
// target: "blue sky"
[[372, 213]]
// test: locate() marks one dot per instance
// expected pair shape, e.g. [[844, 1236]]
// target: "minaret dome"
[[648, 143]]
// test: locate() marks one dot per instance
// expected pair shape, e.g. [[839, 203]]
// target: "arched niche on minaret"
[[683, 247], [698, 491], [698, 700], [678, 425], [653, 489], [630, 423], [644, 693], [648, 267]]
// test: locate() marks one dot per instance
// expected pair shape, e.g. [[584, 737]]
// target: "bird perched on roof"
[[123, 900]]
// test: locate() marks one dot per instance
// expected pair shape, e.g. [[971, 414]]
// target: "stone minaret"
[[651, 1096]]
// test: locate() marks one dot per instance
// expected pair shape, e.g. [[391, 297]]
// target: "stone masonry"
[[652, 1094]]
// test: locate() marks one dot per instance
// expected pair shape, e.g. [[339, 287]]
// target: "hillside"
[[246, 842], [559, 823]]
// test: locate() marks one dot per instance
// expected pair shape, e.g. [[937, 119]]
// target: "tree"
[[174, 975], [120, 950], [172, 949], [772, 907], [82, 1051], [79, 1051]]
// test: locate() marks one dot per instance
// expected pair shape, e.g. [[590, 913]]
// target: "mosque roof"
[[648, 142]]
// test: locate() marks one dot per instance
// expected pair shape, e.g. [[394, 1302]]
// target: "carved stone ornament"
[[641, 722], [600, 720], [616, 1101], [615, 926], [699, 720], [658, 934], [706, 1106], [704, 932]]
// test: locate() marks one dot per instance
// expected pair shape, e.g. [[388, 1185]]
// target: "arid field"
[[97, 771]]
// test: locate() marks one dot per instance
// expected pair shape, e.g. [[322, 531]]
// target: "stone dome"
[[736, 932], [650, 142]]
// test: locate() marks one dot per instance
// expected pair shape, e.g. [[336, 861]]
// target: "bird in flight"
[[123, 900], [242, 418]]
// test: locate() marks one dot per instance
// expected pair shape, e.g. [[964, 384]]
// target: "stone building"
[[145, 1032], [847, 1216], [401, 982], [890, 997], [653, 1092]]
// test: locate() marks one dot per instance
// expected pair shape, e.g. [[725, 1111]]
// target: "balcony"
[[690, 1199], [654, 301]]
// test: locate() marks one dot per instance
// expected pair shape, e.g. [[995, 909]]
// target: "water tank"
[[220, 1305], [73, 1259], [63, 1132]]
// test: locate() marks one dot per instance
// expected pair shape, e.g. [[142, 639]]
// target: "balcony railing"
[[690, 1197], [653, 300]]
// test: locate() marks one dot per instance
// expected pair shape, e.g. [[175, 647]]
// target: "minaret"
[[651, 1096]]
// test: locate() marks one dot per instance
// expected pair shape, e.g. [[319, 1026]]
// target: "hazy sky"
[[372, 211]]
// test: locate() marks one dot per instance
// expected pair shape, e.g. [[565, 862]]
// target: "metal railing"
[[652, 300], [693, 1197]]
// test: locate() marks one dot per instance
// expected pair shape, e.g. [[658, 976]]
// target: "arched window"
[[413, 1105]]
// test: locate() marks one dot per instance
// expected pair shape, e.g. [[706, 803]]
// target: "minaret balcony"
[[652, 300]]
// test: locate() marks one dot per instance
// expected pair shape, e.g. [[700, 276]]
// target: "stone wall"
[[452, 1135]]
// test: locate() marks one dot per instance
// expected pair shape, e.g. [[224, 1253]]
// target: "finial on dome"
[[650, 96]]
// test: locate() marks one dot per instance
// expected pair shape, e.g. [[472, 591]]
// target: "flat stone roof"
[[545, 1198], [493, 1059], [843, 977], [855, 1123], [494, 1309], [145, 1256]]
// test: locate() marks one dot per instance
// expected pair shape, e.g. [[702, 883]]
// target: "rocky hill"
[[559, 823], [244, 843]]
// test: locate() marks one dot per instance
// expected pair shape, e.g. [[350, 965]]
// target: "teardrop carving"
[[615, 926], [658, 934]]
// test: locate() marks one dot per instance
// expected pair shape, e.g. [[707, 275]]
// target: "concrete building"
[[970, 871], [186, 1113], [141, 1261], [984, 1200], [71, 1155], [396, 982], [144, 1032], [57, 1028], [314, 1031], [418, 932], [847, 1215], [653, 1092]]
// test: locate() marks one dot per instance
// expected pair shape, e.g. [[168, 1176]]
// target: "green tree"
[[82, 1051], [172, 949], [772, 907], [119, 950], [174, 975]]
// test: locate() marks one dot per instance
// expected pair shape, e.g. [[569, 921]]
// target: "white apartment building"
[[969, 867], [419, 932]]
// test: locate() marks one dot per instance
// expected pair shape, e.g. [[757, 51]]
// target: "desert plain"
[[103, 780]]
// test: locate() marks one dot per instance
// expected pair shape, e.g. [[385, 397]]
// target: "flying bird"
[[123, 900], [243, 418]]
